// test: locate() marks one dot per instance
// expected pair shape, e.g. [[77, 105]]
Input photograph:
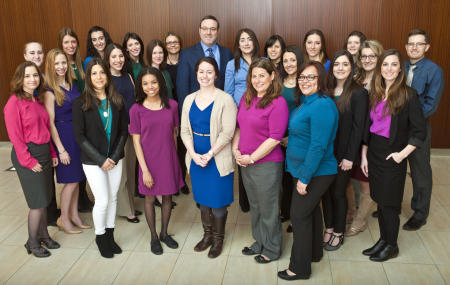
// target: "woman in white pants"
[[101, 127]]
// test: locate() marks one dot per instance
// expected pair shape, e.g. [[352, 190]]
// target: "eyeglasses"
[[172, 43], [206, 29], [309, 77], [419, 45], [371, 57]]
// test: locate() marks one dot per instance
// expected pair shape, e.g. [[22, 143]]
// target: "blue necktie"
[[209, 52]]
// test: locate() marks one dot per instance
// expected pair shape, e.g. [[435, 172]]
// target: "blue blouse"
[[312, 130], [235, 81]]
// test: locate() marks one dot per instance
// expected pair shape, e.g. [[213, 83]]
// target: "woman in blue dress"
[[207, 127], [58, 102]]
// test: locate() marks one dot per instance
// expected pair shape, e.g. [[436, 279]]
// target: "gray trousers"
[[263, 186], [422, 179], [125, 196]]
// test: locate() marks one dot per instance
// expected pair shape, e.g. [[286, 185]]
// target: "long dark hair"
[[298, 55], [360, 35], [397, 93], [163, 92], [321, 82], [90, 49], [16, 83], [323, 57], [274, 90], [133, 36], [150, 47], [343, 102], [89, 94], [237, 51], [77, 57], [108, 50]]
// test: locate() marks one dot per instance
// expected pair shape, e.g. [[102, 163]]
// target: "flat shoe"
[[156, 247], [169, 241], [49, 243], [248, 251], [262, 260], [284, 275], [134, 220]]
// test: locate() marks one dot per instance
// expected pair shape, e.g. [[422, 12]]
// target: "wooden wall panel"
[[21, 22], [388, 21], [232, 15], [292, 19], [147, 18], [397, 18]]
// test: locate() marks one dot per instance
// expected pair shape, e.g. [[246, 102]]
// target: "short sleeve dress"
[[156, 131], [73, 172]]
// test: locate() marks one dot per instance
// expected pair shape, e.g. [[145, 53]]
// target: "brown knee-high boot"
[[218, 235], [359, 223], [207, 240]]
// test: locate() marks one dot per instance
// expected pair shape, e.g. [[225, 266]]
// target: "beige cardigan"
[[222, 125]]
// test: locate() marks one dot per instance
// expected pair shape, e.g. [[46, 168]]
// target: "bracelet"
[[62, 152]]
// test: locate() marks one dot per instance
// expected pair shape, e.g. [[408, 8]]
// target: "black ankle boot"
[[374, 249], [115, 248], [388, 252], [104, 246]]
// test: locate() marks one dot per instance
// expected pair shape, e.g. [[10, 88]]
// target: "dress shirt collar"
[[205, 47]]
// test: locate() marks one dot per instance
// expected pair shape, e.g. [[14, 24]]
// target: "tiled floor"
[[424, 255]]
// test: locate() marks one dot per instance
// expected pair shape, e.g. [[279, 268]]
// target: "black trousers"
[[243, 199], [389, 222], [421, 174], [334, 202], [306, 219], [286, 195]]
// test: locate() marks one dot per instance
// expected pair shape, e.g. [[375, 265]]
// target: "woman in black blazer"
[[352, 101], [397, 127], [101, 127]]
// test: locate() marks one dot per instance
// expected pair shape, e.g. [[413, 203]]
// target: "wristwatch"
[[251, 160], [211, 153]]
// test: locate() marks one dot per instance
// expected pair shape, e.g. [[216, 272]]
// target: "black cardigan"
[[91, 136], [407, 127], [351, 127]]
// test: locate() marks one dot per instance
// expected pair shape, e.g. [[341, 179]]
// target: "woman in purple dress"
[[154, 123], [58, 102]]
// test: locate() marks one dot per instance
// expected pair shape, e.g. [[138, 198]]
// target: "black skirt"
[[36, 186], [386, 177]]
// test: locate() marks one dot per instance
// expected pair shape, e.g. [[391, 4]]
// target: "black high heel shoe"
[[38, 251], [49, 243]]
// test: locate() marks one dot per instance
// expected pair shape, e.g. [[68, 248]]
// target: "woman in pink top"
[[262, 120], [33, 156]]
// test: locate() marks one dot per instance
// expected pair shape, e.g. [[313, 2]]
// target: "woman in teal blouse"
[[310, 160]]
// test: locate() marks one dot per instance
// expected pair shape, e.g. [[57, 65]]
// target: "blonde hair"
[[377, 49], [51, 79]]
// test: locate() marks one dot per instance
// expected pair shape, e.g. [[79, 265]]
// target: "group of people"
[[296, 126]]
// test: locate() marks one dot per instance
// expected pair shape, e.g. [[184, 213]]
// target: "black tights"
[[166, 210], [37, 226]]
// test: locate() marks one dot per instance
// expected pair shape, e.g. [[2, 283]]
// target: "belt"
[[62, 121], [202, 135]]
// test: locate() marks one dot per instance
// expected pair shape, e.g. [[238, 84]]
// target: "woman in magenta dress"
[[154, 123], [58, 102]]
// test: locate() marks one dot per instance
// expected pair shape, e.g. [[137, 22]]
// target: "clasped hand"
[[108, 164], [242, 160], [201, 159]]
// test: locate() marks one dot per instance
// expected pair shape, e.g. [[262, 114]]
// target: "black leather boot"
[[103, 246], [374, 249], [115, 248], [388, 252]]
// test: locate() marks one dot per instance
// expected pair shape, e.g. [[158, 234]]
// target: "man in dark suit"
[[186, 77]]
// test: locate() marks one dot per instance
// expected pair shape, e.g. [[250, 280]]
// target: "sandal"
[[327, 233], [330, 247]]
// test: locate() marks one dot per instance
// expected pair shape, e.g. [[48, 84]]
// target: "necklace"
[[106, 113]]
